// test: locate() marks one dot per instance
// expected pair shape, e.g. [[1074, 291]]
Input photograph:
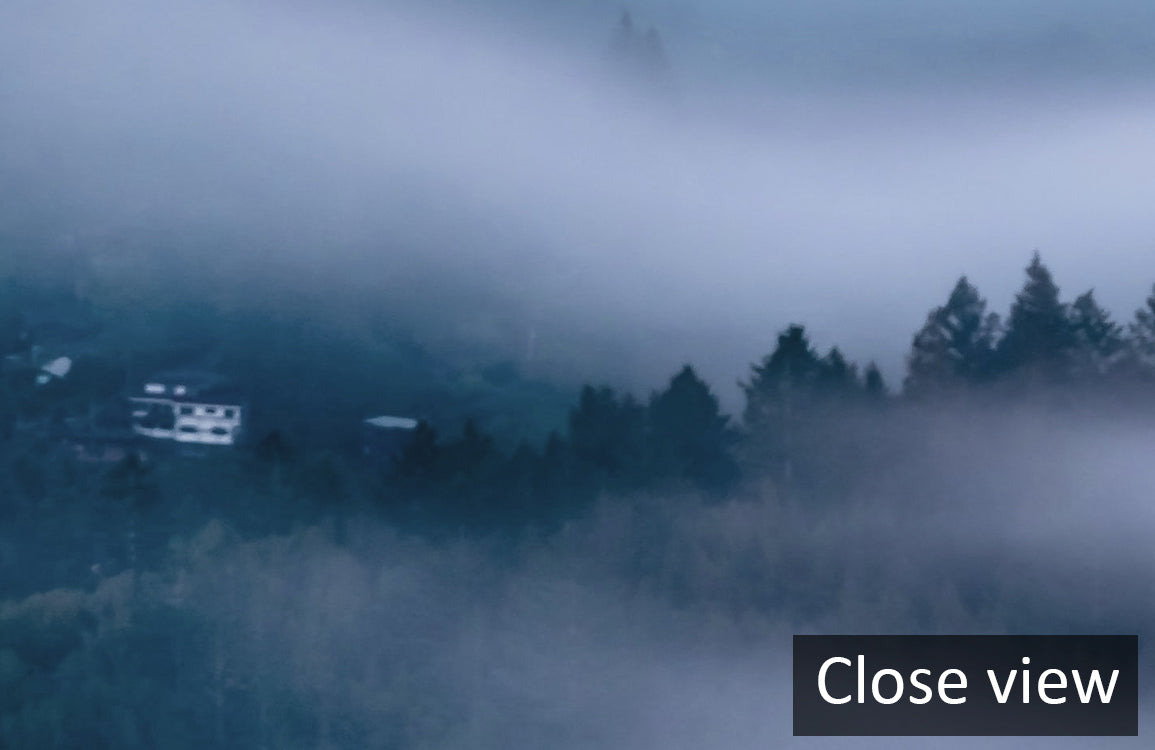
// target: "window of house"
[[230, 413], [188, 428], [186, 410], [220, 431]]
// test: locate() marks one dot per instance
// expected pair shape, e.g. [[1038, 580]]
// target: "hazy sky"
[[834, 163]]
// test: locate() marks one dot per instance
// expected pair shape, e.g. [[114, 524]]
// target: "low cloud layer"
[[385, 138], [659, 622]]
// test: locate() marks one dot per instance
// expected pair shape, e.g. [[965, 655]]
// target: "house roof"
[[392, 423], [190, 385]]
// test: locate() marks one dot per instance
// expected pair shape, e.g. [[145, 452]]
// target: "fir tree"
[[873, 384], [688, 436], [468, 455], [1141, 338], [779, 380], [1098, 341], [422, 456], [606, 432], [780, 401], [955, 345], [1039, 336], [836, 376]]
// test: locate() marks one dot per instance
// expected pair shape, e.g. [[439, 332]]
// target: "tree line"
[[1042, 341], [810, 420], [813, 427]]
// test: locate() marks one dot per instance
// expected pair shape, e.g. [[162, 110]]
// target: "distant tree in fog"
[[607, 432], [838, 377], [873, 383], [780, 403], [1039, 335], [804, 413], [779, 380], [469, 454], [1141, 335], [422, 456], [687, 434], [956, 344], [639, 56], [1098, 341]]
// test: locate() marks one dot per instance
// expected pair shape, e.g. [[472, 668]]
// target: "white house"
[[188, 407], [385, 437]]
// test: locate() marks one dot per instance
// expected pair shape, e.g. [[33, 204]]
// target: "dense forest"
[[232, 598]]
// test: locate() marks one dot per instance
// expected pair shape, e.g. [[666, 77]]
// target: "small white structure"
[[385, 437], [57, 369], [188, 407], [392, 423]]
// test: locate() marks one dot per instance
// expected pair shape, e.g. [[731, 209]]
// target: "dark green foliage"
[[607, 433], [520, 487], [873, 383], [838, 378], [130, 482], [273, 450], [563, 484], [1141, 339], [688, 437], [782, 384], [955, 346], [465, 482], [1098, 345], [325, 482], [1047, 346], [314, 368], [785, 402], [469, 455], [801, 412], [1039, 336], [422, 456]]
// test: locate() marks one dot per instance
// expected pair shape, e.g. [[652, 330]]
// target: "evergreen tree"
[[273, 449], [688, 436], [955, 345], [470, 454], [275, 459], [1039, 336], [838, 377], [805, 415], [606, 432], [561, 480], [1098, 341], [780, 401], [778, 382], [873, 384], [517, 485], [421, 458], [1141, 338]]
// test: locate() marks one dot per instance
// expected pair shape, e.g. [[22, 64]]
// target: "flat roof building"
[[188, 407]]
